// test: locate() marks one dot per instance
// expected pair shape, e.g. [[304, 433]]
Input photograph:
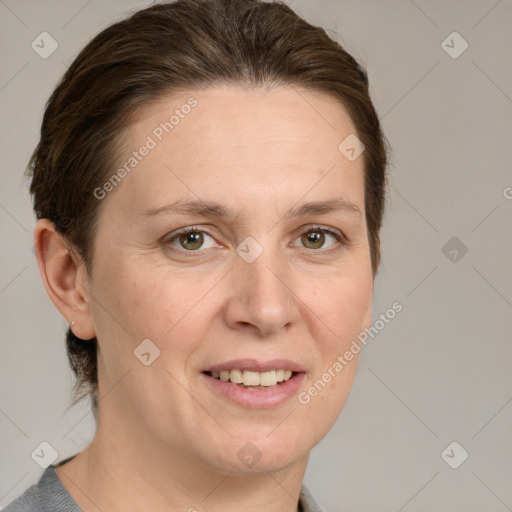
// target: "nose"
[[262, 299]]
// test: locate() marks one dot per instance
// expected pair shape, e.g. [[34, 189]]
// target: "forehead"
[[241, 144]]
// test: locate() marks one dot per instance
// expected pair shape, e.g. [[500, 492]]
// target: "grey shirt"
[[49, 495]]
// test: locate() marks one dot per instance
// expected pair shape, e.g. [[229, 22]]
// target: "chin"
[[261, 453]]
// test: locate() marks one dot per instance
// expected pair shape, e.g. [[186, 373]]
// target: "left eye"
[[314, 238]]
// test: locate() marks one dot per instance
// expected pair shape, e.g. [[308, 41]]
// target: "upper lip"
[[256, 366]]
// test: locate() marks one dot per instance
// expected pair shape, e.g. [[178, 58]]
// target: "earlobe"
[[64, 278]]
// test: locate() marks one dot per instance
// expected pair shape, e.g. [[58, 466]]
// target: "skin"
[[164, 439]]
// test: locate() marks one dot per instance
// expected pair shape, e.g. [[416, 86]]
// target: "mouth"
[[253, 379], [255, 384]]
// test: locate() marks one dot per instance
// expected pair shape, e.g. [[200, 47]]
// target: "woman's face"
[[256, 285]]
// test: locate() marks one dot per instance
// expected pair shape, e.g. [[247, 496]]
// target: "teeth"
[[268, 378], [249, 378], [236, 376]]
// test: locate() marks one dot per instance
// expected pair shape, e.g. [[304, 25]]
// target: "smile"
[[253, 383], [252, 379]]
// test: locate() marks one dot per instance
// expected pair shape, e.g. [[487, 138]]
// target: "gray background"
[[440, 371]]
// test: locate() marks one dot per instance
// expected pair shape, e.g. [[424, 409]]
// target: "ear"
[[65, 278]]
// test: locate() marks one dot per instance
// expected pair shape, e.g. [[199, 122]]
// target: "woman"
[[209, 187]]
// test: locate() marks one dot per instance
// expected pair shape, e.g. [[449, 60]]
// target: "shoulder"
[[29, 501], [48, 495]]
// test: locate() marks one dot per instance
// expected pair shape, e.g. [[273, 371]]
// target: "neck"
[[122, 470]]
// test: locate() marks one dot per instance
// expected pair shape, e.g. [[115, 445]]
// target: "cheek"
[[344, 308], [147, 301], [345, 311]]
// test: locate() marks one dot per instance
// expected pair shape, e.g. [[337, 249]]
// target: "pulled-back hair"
[[171, 47]]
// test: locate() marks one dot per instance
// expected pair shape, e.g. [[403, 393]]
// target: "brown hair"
[[161, 49]]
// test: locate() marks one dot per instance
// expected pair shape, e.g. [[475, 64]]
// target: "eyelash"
[[340, 238]]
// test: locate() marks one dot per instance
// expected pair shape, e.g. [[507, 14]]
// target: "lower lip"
[[257, 398]]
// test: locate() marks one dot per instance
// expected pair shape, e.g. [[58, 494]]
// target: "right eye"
[[190, 239]]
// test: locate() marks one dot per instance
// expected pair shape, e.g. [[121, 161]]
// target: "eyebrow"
[[212, 209]]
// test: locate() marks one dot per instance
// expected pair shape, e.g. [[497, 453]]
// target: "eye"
[[190, 239], [315, 237]]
